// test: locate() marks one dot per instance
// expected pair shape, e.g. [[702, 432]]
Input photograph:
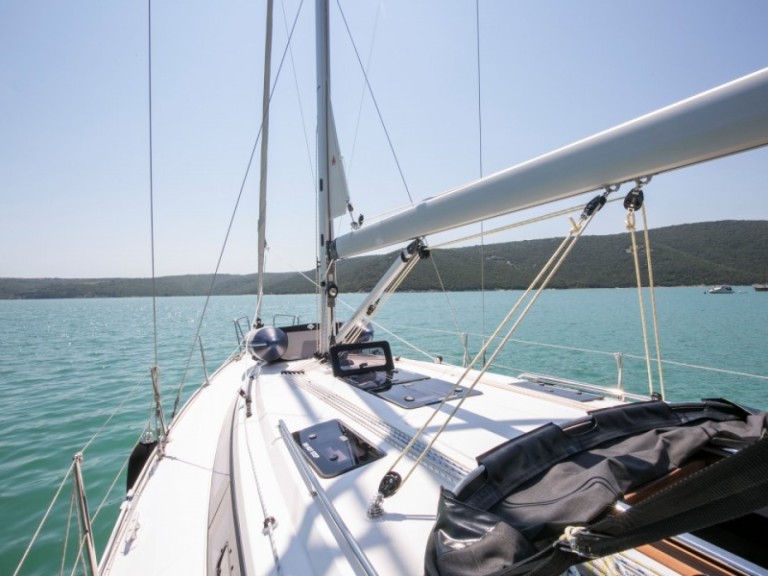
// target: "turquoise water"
[[67, 366]]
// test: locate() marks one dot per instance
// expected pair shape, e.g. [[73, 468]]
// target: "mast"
[[327, 266], [262, 231]]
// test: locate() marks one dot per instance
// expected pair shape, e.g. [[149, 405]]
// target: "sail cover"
[[337, 179], [533, 487]]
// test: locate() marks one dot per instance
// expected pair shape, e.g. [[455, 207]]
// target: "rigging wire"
[[117, 477], [303, 127], [434, 357], [364, 69], [118, 410], [362, 90], [447, 298], [289, 33], [151, 177], [375, 104], [534, 220], [231, 223], [482, 171], [67, 530], [600, 352], [154, 370], [45, 518]]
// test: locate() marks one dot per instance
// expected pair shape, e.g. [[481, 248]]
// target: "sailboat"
[[315, 450]]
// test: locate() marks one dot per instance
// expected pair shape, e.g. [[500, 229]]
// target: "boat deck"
[[314, 395], [161, 528], [265, 476]]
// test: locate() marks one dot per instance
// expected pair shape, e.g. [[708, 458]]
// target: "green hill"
[[733, 252]]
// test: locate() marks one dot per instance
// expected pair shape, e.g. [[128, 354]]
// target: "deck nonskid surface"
[[311, 394], [165, 526]]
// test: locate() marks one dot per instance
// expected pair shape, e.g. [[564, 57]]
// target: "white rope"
[[651, 285], [630, 221], [543, 277], [520, 224]]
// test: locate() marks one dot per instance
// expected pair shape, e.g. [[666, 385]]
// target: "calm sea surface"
[[74, 374]]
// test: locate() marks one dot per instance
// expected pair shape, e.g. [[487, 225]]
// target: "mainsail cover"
[[533, 487], [337, 179]]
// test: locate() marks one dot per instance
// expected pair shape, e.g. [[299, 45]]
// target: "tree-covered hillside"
[[733, 252]]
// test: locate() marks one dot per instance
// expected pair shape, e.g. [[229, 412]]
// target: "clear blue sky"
[[74, 145]]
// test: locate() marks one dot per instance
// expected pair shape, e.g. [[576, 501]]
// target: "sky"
[[77, 170]]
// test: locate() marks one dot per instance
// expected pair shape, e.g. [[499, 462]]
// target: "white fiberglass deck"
[[162, 528], [165, 531], [270, 484]]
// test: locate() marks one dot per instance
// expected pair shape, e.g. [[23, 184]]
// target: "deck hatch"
[[569, 393], [332, 448], [407, 391], [370, 367]]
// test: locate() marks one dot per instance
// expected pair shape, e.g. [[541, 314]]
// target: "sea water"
[[75, 374]]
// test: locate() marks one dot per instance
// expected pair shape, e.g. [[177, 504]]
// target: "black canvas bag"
[[509, 519]]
